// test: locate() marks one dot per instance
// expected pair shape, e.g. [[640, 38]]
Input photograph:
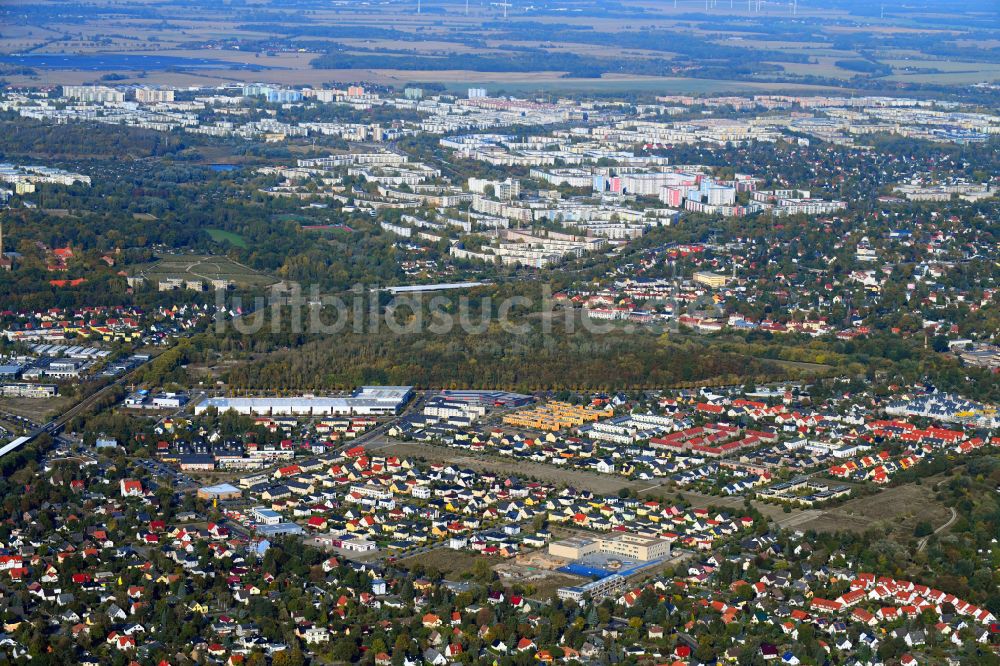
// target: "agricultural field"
[[923, 71], [559, 48]]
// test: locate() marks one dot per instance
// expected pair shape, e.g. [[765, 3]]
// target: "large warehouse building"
[[373, 400]]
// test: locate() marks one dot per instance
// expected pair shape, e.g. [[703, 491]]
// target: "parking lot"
[[168, 473]]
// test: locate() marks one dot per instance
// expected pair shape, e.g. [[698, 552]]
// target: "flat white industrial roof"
[[10, 446], [364, 397], [221, 488], [440, 286]]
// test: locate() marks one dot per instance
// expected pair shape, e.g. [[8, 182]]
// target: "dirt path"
[[951, 521]]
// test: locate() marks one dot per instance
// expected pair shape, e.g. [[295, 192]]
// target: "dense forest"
[[532, 358], [79, 140], [528, 361]]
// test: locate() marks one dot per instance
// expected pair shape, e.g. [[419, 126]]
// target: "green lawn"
[[220, 235]]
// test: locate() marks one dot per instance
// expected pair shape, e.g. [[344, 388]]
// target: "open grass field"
[[899, 508], [813, 368], [948, 71], [824, 66], [38, 410], [451, 563], [221, 235], [203, 267]]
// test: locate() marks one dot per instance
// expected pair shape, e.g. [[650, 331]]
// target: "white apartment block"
[[93, 94], [153, 95]]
